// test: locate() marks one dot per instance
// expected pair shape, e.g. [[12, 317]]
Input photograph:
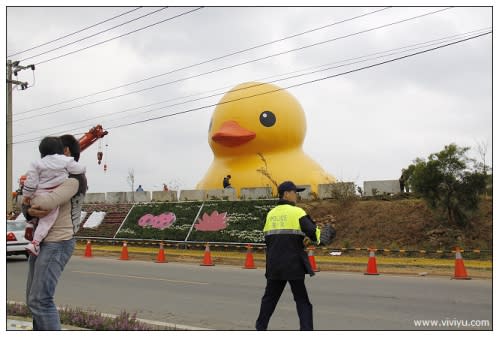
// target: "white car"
[[16, 243]]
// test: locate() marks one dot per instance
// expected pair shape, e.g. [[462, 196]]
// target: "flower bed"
[[115, 213], [243, 221], [88, 319]]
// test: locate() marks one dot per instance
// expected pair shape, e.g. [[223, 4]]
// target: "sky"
[[362, 125]]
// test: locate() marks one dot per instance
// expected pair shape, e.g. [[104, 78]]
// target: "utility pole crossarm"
[[17, 82]]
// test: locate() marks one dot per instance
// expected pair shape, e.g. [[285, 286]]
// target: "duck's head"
[[256, 118]]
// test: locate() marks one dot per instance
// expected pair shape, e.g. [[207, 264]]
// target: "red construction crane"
[[91, 137], [85, 141]]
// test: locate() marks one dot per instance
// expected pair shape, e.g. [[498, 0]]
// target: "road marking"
[[140, 277]]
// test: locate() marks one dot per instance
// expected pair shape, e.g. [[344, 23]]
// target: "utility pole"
[[12, 68]]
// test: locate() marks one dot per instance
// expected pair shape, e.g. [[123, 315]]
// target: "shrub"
[[87, 319]]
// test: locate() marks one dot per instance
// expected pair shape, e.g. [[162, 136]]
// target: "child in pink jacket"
[[44, 175]]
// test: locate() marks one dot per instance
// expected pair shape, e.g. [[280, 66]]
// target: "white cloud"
[[361, 126]]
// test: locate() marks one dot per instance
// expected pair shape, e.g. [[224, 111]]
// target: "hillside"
[[385, 224], [400, 224]]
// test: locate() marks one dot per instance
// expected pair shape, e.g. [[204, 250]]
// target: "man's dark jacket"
[[286, 256]]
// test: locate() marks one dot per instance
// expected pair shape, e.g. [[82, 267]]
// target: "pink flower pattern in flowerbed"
[[212, 223], [160, 222]]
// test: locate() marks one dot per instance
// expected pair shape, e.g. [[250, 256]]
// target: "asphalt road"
[[228, 297]]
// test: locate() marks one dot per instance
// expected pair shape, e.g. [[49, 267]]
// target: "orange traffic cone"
[[161, 254], [371, 264], [249, 263], [88, 249], [124, 252], [207, 257], [311, 259], [459, 269]]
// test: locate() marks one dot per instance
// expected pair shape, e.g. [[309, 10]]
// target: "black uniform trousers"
[[273, 292]]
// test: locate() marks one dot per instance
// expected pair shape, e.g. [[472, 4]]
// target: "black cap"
[[288, 186]]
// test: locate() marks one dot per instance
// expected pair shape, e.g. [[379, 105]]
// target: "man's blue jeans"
[[43, 275]]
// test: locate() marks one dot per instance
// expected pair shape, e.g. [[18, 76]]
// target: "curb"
[[25, 323], [17, 323]]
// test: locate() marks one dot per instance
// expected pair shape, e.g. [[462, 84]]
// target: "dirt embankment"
[[400, 224]]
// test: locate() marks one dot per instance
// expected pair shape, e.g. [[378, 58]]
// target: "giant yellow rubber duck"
[[256, 135]]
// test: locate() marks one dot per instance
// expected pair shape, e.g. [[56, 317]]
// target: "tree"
[[406, 174], [131, 181], [449, 180], [265, 172], [482, 149]]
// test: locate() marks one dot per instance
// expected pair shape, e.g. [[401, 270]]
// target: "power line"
[[78, 31], [342, 63], [232, 66], [292, 86], [304, 83], [117, 37], [207, 61], [95, 34], [300, 75]]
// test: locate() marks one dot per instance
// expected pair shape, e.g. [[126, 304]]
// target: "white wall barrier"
[[192, 195], [94, 198], [116, 197], [305, 195], [256, 193], [221, 194], [164, 196], [324, 191], [142, 196], [336, 190], [378, 187]]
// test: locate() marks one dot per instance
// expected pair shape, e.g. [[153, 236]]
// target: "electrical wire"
[[342, 63], [117, 37], [232, 66], [78, 31], [95, 34], [207, 61], [290, 86], [303, 83]]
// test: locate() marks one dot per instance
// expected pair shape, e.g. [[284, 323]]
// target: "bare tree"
[[482, 149], [264, 171], [174, 184], [131, 181]]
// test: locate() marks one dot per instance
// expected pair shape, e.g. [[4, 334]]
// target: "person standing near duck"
[[226, 182]]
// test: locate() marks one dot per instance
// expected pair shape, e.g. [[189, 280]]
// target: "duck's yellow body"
[[256, 134]]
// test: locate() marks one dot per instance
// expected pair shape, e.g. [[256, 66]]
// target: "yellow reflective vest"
[[285, 219], [286, 258]]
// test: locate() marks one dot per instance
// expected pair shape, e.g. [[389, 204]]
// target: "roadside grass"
[[222, 254]]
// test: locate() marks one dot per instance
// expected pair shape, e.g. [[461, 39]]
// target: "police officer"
[[285, 230]]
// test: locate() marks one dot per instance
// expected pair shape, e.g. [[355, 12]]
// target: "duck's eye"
[[267, 118]]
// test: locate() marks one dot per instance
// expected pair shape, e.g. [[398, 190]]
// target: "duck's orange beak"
[[232, 134]]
